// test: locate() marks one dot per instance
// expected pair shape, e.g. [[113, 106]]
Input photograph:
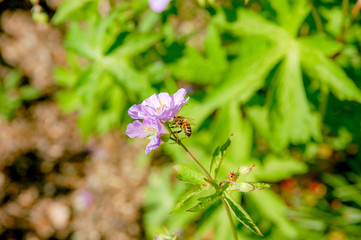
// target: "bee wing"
[[191, 121]]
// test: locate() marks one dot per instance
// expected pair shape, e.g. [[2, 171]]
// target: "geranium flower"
[[160, 106], [149, 128], [158, 5]]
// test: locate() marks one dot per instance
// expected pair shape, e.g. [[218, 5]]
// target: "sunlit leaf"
[[291, 120], [323, 43], [69, 7], [276, 168], [291, 14], [218, 156], [188, 174], [205, 202], [188, 195], [244, 78], [241, 214], [135, 43], [319, 67]]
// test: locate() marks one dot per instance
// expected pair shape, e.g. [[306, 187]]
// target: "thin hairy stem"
[[234, 231], [179, 142]]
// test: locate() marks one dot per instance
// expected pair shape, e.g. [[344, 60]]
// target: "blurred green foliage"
[[13, 93], [282, 76]]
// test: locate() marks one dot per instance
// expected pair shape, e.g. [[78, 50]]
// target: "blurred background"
[[283, 76]]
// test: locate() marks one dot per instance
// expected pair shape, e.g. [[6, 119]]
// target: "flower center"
[[161, 108]]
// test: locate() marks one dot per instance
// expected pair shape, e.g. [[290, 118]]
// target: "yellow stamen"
[[161, 108], [146, 128]]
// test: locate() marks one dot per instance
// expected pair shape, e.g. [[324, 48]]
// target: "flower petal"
[[153, 144], [158, 5], [137, 129], [160, 106], [141, 112], [179, 95]]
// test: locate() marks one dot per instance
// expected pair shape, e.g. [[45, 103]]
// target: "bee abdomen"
[[187, 130]]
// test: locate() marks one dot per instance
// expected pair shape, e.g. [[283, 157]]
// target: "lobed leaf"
[[250, 23], [67, 8], [218, 155], [290, 117], [245, 76], [191, 192], [187, 174], [291, 16], [241, 214], [329, 73], [205, 202]]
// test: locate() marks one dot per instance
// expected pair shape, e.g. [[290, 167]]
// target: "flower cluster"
[[154, 110]]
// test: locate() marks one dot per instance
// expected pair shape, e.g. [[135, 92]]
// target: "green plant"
[[12, 94]]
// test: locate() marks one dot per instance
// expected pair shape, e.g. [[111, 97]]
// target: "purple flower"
[[151, 128], [158, 5], [160, 106]]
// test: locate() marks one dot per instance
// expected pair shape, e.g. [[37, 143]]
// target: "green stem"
[[179, 142], [316, 16], [323, 104], [234, 231], [343, 23]]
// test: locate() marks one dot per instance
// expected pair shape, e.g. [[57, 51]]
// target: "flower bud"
[[165, 137], [245, 170], [245, 187]]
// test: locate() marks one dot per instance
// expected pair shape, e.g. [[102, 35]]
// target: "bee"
[[184, 123]]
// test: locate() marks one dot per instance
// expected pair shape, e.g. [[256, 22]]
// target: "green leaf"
[[273, 209], [217, 157], [229, 119], [275, 168], [213, 184], [241, 214], [29, 92], [291, 16], [290, 117], [199, 68], [203, 69], [329, 73], [250, 23], [135, 44], [191, 192], [12, 80], [327, 45], [245, 76], [205, 202], [127, 76], [87, 47], [67, 8], [187, 174]]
